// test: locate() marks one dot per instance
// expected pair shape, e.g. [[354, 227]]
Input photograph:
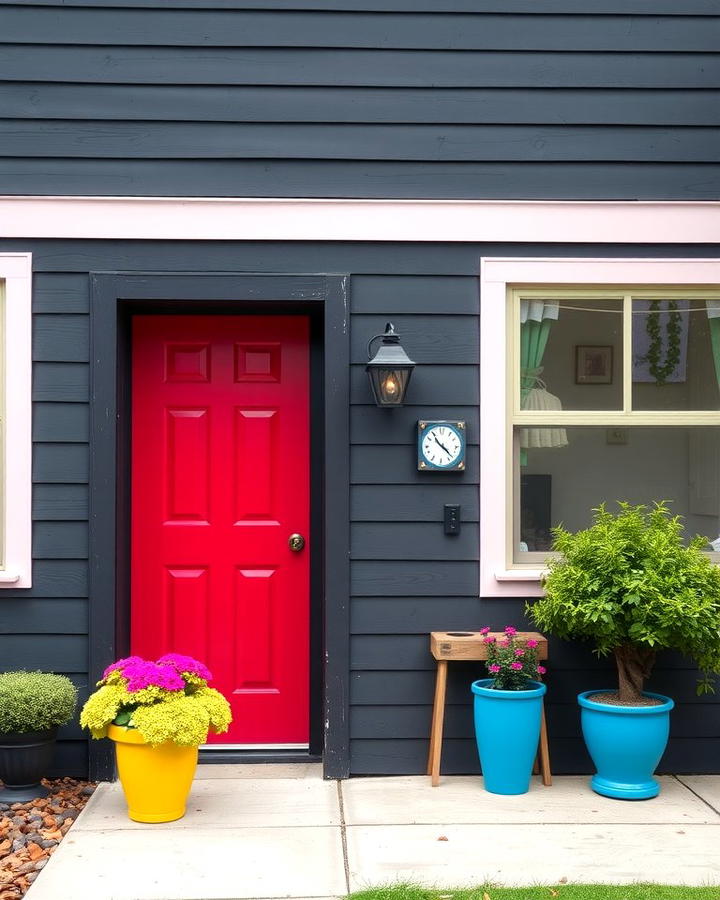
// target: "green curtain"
[[713, 312], [536, 318]]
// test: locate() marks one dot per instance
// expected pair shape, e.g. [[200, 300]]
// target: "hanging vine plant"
[[661, 371]]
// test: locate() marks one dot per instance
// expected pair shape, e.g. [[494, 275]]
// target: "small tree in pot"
[[629, 584]]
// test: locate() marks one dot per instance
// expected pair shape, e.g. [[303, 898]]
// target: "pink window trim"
[[497, 579], [256, 219], [16, 273]]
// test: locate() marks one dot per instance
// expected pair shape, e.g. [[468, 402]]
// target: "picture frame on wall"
[[593, 364]]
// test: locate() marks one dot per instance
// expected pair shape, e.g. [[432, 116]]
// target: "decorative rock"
[[30, 832]]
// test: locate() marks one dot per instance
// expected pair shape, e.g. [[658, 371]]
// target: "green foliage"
[[102, 707], [558, 892], [184, 720], [662, 371], [35, 701], [629, 580]]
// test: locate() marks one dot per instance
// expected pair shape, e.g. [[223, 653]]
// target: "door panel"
[[220, 479]]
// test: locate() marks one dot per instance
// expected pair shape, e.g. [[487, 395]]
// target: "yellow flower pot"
[[156, 780]]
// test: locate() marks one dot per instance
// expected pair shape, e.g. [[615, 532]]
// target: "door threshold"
[[238, 757], [259, 747]]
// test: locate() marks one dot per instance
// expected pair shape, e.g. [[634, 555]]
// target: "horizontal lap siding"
[[408, 578], [46, 627], [346, 98], [366, 99], [600, 7]]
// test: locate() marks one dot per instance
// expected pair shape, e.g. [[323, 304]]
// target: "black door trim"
[[114, 295]]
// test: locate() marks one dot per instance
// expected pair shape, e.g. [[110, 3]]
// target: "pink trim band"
[[155, 218]]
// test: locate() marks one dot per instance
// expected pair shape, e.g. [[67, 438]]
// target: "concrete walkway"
[[281, 831]]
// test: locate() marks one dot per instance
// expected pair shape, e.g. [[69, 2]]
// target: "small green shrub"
[[629, 584], [35, 701]]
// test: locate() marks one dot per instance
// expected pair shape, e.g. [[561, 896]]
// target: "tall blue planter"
[[625, 743], [507, 730]]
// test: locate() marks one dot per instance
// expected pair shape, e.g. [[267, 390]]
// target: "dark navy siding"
[[484, 99], [529, 99], [407, 577]]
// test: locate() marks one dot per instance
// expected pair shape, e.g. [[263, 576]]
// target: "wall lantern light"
[[389, 370]]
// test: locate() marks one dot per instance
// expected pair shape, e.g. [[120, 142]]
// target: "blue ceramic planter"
[[507, 730], [625, 743]]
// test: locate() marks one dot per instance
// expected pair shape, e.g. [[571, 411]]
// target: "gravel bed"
[[31, 831]]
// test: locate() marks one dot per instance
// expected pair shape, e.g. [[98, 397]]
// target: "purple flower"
[[519, 651], [121, 663], [531, 643], [510, 631], [142, 674], [484, 630], [541, 670], [185, 664], [494, 668], [517, 666], [489, 639]]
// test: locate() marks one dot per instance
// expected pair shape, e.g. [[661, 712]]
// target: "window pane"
[[676, 354], [571, 354], [562, 484]]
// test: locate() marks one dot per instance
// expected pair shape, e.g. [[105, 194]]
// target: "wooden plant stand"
[[449, 646]]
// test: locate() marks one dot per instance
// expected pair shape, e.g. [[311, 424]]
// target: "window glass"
[[562, 477], [676, 354], [571, 354]]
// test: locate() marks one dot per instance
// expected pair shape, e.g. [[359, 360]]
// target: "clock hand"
[[437, 441]]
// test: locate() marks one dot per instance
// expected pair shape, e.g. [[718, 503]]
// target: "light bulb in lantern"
[[391, 386]]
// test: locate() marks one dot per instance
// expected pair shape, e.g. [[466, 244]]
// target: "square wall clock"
[[441, 446]]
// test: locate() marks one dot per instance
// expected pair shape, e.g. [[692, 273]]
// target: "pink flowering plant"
[[512, 662], [166, 700]]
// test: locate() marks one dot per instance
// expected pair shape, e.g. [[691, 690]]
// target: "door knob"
[[296, 542]]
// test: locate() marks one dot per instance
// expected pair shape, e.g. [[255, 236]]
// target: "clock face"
[[442, 446]]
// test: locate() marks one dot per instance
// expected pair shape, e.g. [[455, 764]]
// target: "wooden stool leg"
[[431, 742], [436, 730], [544, 751]]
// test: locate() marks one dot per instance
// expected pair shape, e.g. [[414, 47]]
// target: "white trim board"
[[256, 219], [16, 382]]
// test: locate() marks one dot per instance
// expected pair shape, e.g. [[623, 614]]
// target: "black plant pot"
[[24, 759]]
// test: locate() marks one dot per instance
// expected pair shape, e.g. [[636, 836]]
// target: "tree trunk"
[[634, 665]]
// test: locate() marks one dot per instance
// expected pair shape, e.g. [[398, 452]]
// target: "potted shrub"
[[157, 713], [32, 707], [507, 711], [629, 584]]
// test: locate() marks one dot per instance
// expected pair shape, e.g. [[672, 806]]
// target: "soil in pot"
[[612, 698]]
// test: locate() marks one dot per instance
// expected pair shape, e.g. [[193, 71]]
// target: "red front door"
[[220, 480]]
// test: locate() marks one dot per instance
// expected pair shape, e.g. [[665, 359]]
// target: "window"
[[611, 391], [15, 420]]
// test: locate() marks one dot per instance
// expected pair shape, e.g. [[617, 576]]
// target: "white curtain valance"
[[537, 310]]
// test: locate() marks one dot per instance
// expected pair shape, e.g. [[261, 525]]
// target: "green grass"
[[545, 892]]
